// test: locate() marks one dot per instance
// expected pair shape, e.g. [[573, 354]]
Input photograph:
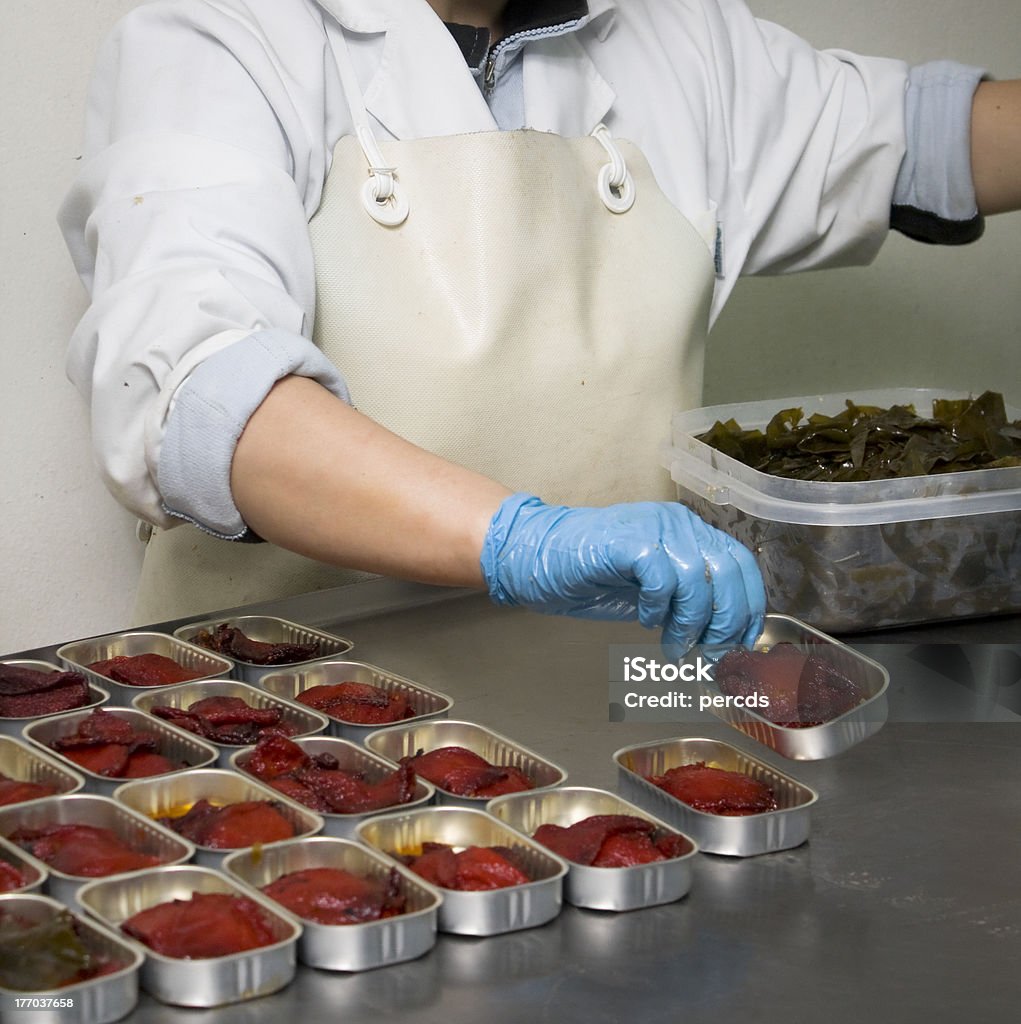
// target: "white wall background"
[[68, 558]]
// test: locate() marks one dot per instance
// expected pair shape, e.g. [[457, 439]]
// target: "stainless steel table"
[[904, 905]]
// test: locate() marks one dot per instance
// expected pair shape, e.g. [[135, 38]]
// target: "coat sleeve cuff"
[[934, 196], [208, 414]]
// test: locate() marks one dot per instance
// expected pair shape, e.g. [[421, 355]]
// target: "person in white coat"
[[368, 277]]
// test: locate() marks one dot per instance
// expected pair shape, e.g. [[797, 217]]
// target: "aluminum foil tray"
[[476, 913], [82, 653], [269, 629], [24, 762], [215, 981], [404, 740], [181, 695], [347, 947], [155, 798], [352, 758], [643, 885], [99, 1001], [813, 743], [734, 835], [13, 726], [177, 745], [134, 829], [33, 871], [429, 703]]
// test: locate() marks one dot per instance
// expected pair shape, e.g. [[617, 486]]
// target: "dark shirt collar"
[[518, 16]]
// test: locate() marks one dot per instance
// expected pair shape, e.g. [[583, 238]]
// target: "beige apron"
[[507, 318]]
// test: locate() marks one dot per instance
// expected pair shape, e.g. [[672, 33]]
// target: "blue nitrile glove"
[[654, 561]]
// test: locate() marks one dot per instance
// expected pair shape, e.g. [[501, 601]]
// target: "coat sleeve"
[[188, 227], [804, 145]]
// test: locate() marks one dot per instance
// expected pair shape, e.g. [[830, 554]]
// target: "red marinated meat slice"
[[145, 670], [84, 850], [295, 790], [474, 869], [207, 925], [465, 773], [716, 791], [232, 826], [275, 755], [346, 793], [11, 878], [107, 759], [584, 841], [144, 763], [333, 896], [233, 710], [27, 693], [16, 791], [359, 703], [229, 640], [803, 690]]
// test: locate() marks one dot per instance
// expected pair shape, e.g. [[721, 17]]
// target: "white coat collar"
[[564, 92]]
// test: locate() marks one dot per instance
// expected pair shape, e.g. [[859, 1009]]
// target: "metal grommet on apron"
[[527, 305]]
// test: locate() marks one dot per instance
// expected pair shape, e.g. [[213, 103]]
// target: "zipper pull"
[[489, 79]]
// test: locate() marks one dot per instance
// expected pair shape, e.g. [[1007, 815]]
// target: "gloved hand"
[[652, 560]]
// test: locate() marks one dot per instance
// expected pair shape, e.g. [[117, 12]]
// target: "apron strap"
[[383, 196], [385, 199]]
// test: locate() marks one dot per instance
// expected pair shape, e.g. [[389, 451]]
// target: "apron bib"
[[508, 319]]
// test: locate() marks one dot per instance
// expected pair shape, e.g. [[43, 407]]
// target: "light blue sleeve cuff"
[[934, 196], [209, 413]]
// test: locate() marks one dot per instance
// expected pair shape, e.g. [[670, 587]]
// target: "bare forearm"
[[996, 146], [315, 476]]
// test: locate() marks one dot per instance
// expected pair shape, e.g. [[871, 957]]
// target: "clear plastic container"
[[853, 556]]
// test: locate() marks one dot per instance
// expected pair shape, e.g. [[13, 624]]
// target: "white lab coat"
[[212, 122]]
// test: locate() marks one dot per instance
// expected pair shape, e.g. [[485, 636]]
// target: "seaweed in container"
[[866, 442], [36, 956]]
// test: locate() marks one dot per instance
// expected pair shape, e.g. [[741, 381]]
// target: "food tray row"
[[282, 689]]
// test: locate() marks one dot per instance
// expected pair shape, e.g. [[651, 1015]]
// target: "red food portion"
[[474, 869], [11, 878], [108, 745], [359, 703], [465, 773], [228, 720], [27, 692], [610, 841], [16, 791], [716, 791], [232, 826], [318, 781], [333, 896], [145, 670], [209, 924], [229, 640], [803, 690], [84, 850]]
